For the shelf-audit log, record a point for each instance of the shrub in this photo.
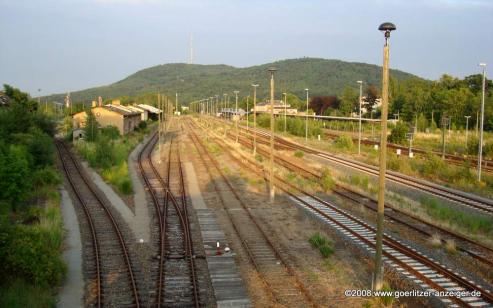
(111, 132)
(327, 182)
(344, 142)
(398, 133)
(142, 125)
(46, 176)
(298, 154)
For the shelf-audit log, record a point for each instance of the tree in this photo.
(321, 103)
(349, 101)
(370, 100)
(91, 128)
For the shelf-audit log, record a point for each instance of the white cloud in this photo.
(127, 1)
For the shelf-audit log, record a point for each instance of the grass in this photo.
(109, 157)
(20, 294)
(322, 244)
(471, 223)
(326, 181)
(299, 154)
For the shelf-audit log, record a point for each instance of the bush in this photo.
(398, 133)
(26, 254)
(111, 132)
(142, 125)
(344, 142)
(327, 182)
(326, 250)
(298, 154)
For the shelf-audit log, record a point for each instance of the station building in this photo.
(279, 108)
(123, 118)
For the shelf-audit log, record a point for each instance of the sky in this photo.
(67, 45)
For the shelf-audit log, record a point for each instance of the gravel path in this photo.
(72, 291)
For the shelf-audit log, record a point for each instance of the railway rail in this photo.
(113, 278)
(177, 279)
(282, 283)
(423, 270)
(473, 248)
(487, 165)
(480, 204)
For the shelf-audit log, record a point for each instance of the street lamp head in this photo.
(359, 81)
(306, 89)
(254, 85)
(482, 64)
(387, 27)
(236, 92)
(272, 69)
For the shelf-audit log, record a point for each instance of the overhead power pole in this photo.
(271, 160)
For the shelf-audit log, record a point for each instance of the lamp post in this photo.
(248, 98)
(235, 118)
(359, 135)
(224, 112)
(285, 109)
(254, 118)
(306, 117)
(176, 104)
(217, 104)
(386, 27)
(467, 128)
(271, 160)
(480, 150)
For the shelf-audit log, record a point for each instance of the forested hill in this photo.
(194, 81)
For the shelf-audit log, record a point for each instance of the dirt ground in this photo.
(289, 229)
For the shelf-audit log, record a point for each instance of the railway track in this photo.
(280, 280)
(473, 248)
(480, 204)
(177, 279)
(112, 281)
(424, 271)
(487, 165)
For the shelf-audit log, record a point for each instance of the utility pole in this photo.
(467, 129)
(306, 117)
(480, 150)
(378, 275)
(271, 160)
(444, 125)
(285, 109)
(254, 118)
(159, 124)
(236, 118)
(359, 135)
(176, 103)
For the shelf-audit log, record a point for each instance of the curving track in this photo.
(113, 282)
(176, 281)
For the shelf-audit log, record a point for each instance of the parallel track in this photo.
(115, 284)
(478, 203)
(371, 203)
(416, 266)
(279, 278)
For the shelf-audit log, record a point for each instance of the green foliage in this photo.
(26, 254)
(473, 223)
(299, 153)
(20, 294)
(91, 128)
(398, 133)
(317, 240)
(326, 181)
(322, 244)
(343, 142)
(142, 125)
(323, 76)
(111, 132)
(349, 101)
(14, 174)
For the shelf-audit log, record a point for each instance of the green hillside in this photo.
(195, 81)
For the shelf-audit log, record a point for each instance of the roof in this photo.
(122, 110)
(149, 108)
(276, 103)
(136, 109)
